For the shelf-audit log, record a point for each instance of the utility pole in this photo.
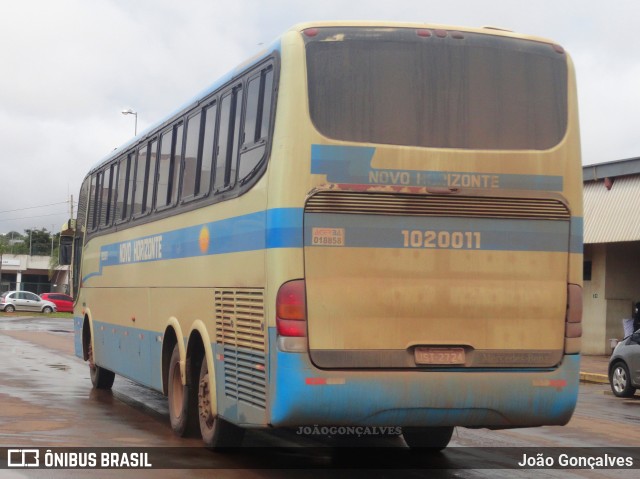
(70, 278)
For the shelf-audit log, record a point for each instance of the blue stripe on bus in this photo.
(275, 228)
(576, 244)
(283, 228)
(352, 165)
(359, 231)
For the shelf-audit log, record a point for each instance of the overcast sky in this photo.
(69, 67)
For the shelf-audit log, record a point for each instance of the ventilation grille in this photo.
(436, 205)
(240, 318)
(240, 330)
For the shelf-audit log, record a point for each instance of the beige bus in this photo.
(368, 224)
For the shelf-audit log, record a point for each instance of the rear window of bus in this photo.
(461, 90)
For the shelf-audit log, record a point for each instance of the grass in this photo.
(22, 314)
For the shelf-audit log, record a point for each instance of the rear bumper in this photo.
(304, 395)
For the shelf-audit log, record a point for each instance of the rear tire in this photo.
(47, 310)
(434, 438)
(216, 432)
(183, 405)
(9, 308)
(101, 378)
(620, 381)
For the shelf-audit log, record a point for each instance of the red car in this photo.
(63, 302)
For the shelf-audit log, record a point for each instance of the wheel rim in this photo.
(9, 309)
(177, 392)
(619, 379)
(204, 404)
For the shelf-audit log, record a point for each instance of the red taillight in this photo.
(311, 32)
(291, 309)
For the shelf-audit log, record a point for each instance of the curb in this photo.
(593, 378)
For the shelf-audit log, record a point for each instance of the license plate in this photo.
(439, 356)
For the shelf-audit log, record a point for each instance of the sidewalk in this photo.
(594, 369)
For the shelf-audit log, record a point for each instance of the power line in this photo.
(30, 217)
(35, 207)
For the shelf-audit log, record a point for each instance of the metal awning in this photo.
(613, 215)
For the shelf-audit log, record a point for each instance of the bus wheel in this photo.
(182, 403)
(435, 438)
(216, 432)
(101, 378)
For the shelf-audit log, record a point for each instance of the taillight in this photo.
(291, 309)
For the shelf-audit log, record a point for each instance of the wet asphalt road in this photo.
(46, 400)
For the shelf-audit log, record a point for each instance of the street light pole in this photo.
(129, 111)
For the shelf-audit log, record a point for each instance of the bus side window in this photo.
(107, 194)
(228, 139)
(223, 144)
(83, 202)
(165, 167)
(151, 176)
(191, 171)
(92, 203)
(123, 187)
(177, 161)
(115, 169)
(256, 124)
(168, 168)
(235, 138)
(207, 149)
(139, 188)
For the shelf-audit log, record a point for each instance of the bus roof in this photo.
(275, 46)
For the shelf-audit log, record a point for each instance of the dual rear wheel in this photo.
(190, 409)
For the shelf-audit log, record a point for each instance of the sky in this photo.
(69, 67)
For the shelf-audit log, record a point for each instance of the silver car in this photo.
(624, 366)
(25, 301)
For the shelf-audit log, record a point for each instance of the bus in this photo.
(367, 224)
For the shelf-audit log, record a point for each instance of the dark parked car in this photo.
(624, 366)
(63, 302)
(11, 301)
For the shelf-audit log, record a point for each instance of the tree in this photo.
(37, 242)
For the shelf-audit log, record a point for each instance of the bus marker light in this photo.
(311, 32)
(324, 381)
(315, 381)
(558, 384)
(441, 33)
(423, 32)
(219, 357)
